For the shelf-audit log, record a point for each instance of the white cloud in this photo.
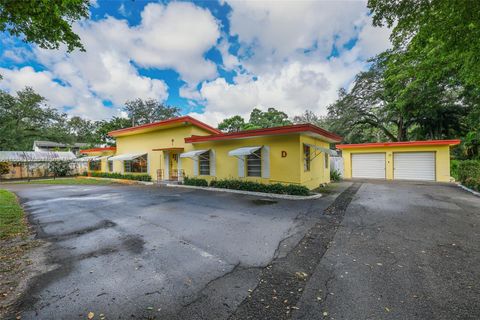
(283, 60)
(122, 10)
(177, 36)
(42, 82)
(292, 89)
(279, 30)
(286, 45)
(169, 36)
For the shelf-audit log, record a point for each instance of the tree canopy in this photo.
(258, 119)
(442, 36)
(45, 23)
(26, 117)
(148, 111)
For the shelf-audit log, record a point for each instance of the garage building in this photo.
(411, 160)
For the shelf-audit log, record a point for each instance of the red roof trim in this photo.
(98, 149)
(169, 149)
(296, 128)
(400, 144)
(166, 122)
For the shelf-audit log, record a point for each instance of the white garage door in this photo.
(368, 165)
(414, 166)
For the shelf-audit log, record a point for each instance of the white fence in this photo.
(336, 163)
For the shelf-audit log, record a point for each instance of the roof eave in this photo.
(425, 143)
(159, 124)
(285, 130)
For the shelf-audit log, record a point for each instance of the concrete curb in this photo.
(121, 181)
(250, 193)
(468, 189)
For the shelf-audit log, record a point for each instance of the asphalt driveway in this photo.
(145, 252)
(403, 251)
(378, 251)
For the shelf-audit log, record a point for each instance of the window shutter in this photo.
(195, 166)
(266, 162)
(213, 169)
(179, 173)
(241, 167)
(166, 156)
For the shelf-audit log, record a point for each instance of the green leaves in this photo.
(232, 124)
(258, 119)
(148, 111)
(443, 36)
(44, 22)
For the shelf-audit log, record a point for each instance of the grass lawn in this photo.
(11, 216)
(15, 244)
(68, 181)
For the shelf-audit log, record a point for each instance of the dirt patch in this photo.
(282, 282)
(21, 259)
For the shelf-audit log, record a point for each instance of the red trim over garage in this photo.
(98, 150)
(400, 144)
(296, 128)
(188, 119)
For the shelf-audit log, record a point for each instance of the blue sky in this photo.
(213, 59)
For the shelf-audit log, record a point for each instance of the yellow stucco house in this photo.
(171, 149)
(408, 160)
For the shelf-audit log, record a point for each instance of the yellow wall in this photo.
(442, 162)
(287, 170)
(146, 142)
(318, 174)
(104, 164)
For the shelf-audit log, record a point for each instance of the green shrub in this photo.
(472, 183)
(277, 188)
(195, 182)
(4, 168)
(468, 173)
(114, 175)
(59, 168)
(454, 168)
(468, 169)
(335, 175)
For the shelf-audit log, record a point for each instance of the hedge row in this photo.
(113, 175)
(195, 182)
(468, 173)
(277, 188)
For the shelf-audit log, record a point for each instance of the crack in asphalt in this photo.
(282, 282)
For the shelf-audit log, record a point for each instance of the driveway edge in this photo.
(250, 193)
(468, 189)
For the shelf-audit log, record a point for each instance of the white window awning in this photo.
(322, 149)
(244, 151)
(104, 157)
(126, 157)
(192, 154)
(85, 159)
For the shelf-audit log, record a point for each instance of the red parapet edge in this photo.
(98, 149)
(296, 128)
(451, 142)
(189, 119)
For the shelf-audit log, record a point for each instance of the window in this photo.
(326, 160)
(254, 164)
(306, 158)
(137, 165)
(204, 163)
(110, 165)
(95, 165)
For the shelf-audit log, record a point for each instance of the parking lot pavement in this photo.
(149, 252)
(368, 250)
(403, 251)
